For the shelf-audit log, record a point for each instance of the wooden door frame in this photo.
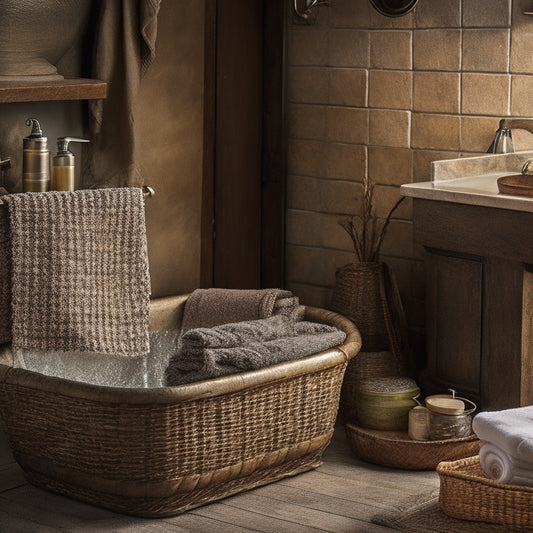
(272, 173)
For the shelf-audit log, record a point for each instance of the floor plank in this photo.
(340, 496)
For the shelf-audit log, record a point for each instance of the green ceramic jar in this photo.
(385, 403)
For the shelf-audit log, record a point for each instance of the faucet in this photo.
(503, 140)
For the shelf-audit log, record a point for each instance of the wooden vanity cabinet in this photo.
(479, 301)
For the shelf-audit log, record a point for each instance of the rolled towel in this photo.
(511, 430)
(206, 308)
(309, 338)
(500, 467)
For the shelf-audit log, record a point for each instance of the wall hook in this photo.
(304, 9)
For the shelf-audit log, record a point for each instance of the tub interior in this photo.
(143, 371)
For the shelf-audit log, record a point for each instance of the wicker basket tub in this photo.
(161, 451)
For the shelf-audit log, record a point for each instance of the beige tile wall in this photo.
(368, 94)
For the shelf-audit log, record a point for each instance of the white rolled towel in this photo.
(500, 467)
(511, 430)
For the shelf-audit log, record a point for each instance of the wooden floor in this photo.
(341, 497)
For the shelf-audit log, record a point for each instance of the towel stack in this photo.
(506, 453)
(244, 330)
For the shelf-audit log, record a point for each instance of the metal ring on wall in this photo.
(394, 8)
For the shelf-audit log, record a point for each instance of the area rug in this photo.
(421, 514)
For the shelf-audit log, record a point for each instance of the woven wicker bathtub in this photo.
(161, 451)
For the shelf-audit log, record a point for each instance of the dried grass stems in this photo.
(366, 230)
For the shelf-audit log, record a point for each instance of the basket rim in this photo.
(456, 469)
(202, 389)
(420, 443)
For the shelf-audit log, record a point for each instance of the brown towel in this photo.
(124, 48)
(206, 308)
(80, 276)
(5, 277)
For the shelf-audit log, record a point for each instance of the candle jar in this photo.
(419, 423)
(385, 403)
(448, 417)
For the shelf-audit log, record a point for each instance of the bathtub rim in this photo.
(160, 320)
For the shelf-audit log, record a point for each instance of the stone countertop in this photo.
(473, 181)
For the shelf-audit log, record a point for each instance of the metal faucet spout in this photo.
(517, 124)
(503, 140)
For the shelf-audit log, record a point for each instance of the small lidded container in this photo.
(449, 417)
(384, 403)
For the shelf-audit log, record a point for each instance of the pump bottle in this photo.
(35, 160)
(63, 164)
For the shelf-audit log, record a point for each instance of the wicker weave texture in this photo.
(116, 455)
(357, 296)
(395, 449)
(468, 494)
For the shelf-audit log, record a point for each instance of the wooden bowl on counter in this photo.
(516, 185)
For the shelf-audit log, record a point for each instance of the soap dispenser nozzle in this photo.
(63, 142)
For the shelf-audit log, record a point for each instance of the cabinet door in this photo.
(454, 320)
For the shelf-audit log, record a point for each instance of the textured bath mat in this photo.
(421, 514)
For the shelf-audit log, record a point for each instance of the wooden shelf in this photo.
(67, 89)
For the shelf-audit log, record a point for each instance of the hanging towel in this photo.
(307, 338)
(124, 48)
(206, 308)
(5, 277)
(80, 278)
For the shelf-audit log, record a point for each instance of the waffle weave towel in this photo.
(5, 277)
(80, 279)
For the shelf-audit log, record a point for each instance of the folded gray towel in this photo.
(206, 308)
(305, 338)
(196, 341)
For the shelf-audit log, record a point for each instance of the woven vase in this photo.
(358, 296)
(367, 294)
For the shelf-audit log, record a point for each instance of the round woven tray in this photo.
(395, 448)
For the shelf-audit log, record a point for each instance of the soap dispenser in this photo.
(35, 159)
(63, 164)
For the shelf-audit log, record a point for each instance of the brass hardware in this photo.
(147, 191)
(304, 9)
(393, 8)
(525, 168)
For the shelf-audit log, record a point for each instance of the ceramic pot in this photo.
(35, 34)
(385, 403)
